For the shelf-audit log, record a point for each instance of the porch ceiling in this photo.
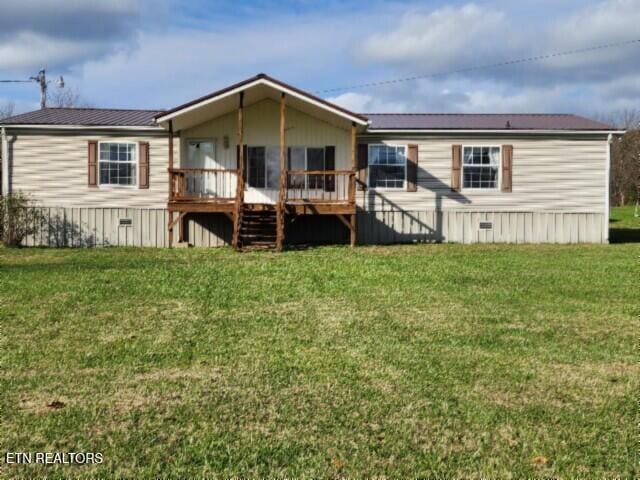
(257, 89)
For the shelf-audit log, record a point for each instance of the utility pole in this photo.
(42, 80)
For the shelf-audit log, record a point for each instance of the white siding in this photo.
(549, 174)
(53, 168)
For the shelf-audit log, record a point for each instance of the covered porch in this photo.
(262, 148)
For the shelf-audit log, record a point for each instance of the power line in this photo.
(480, 67)
(16, 81)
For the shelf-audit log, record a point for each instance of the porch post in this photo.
(237, 218)
(280, 214)
(352, 184)
(170, 181)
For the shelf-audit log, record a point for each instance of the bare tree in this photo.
(627, 119)
(65, 97)
(7, 109)
(625, 167)
(625, 156)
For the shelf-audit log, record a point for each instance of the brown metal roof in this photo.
(98, 117)
(482, 121)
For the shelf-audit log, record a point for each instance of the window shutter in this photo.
(507, 167)
(143, 164)
(456, 167)
(363, 165)
(92, 177)
(330, 164)
(412, 168)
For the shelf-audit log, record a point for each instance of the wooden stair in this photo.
(258, 227)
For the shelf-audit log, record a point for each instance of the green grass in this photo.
(624, 225)
(624, 217)
(450, 360)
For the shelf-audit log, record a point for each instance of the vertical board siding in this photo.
(100, 227)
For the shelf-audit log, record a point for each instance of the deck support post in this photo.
(170, 143)
(237, 216)
(352, 185)
(280, 210)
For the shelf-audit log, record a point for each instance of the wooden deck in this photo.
(312, 192)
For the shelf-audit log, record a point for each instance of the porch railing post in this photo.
(352, 185)
(237, 218)
(171, 186)
(280, 209)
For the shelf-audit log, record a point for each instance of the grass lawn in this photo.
(448, 360)
(625, 226)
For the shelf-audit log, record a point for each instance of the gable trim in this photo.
(261, 80)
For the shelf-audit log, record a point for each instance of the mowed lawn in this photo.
(448, 360)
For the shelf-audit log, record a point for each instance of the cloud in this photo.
(364, 103)
(452, 38)
(144, 53)
(442, 38)
(174, 66)
(63, 34)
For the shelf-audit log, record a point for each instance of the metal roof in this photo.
(482, 121)
(109, 117)
(99, 117)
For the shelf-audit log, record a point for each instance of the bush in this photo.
(19, 217)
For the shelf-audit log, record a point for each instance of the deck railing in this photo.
(203, 183)
(301, 186)
(320, 186)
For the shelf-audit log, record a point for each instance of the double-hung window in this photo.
(118, 163)
(387, 166)
(480, 167)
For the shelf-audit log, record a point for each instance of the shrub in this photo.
(19, 217)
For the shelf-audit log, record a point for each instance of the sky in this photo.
(161, 53)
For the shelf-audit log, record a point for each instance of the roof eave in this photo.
(500, 131)
(153, 128)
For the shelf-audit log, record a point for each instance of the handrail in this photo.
(186, 170)
(320, 172)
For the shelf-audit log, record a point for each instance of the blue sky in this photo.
(157, 54)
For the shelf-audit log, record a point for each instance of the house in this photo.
(262, 163)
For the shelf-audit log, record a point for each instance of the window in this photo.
(117, 163)
(387, 166)
(201, 154)
(480, 167)
(307, 158)
(263, 167)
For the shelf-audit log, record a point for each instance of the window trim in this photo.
(498, 178)
(404, 180)
(136, 162)
(213, 140)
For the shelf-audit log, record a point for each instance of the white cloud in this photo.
(439, 39)
(63, 34)
(28, 51)
(363, 103)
